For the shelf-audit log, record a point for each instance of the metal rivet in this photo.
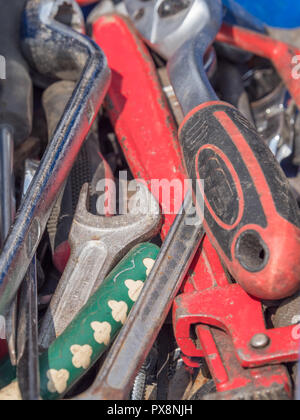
(260, 341)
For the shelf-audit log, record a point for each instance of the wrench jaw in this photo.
(118, 234)
(148, 213)
(67, 12)
(167, 31)
(48, 44)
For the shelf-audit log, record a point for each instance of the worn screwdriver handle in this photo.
(249, 212)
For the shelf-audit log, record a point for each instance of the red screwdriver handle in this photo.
(250, 214)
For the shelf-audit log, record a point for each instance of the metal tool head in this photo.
(168, 24)
(142, 221)
(47, 42)
(97, 245)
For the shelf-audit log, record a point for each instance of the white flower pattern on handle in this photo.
(81, 356)
(119, 310)
(58, 380)
(148, 263)
(102, 332)
(134, 289)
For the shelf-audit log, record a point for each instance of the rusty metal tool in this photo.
(259, 219)
(45, 42)
(131, 348)
(97, 244)
(27, 316)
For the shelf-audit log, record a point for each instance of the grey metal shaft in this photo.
(136, 339)
(187, 73)
(81, 54)
(7, 180)
(8, 208)
(28, 373)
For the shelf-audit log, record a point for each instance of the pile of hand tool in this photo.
(150, 193)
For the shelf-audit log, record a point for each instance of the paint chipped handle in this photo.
(250, 214)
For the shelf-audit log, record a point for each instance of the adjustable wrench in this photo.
(97, 244)
(45, 42)
(250, 214)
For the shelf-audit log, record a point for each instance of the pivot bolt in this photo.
(260, 341)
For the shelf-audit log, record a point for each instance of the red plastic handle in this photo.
(140, 114)
(250, 214)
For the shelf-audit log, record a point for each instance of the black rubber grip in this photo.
(250, 213)
(16, 89)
